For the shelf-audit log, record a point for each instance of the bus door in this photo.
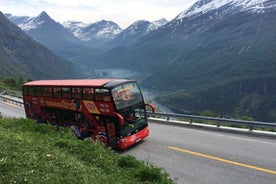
(111, 130)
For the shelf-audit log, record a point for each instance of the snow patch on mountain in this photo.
(75, 27)
(156, 24)
(35, 22)
(107, 29)
(143, 27)
(31, 24)
(24, 22)
(98, 30)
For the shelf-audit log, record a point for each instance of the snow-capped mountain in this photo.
(42, 21)
(204, 14)
(75, 27)
(102, 30)
(100, 34)
(47, 31)
(137, 30)
(142, 27)
(156, 24)
(41, 26)
(226, 6)
(107, 30)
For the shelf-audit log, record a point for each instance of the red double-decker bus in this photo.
(112, 111)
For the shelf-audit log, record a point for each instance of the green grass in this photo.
(37, 153)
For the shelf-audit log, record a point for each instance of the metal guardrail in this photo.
(192, 118)
(11, 101)
(219, 121)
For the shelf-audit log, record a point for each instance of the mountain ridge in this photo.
(203, 6)
(96, 35)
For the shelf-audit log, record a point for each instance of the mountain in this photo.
(218, 55)
(50, 33)
(102, 30)
(22, 55)
(55, 37)
(95, 34)
(109, 34)
(226, 7)
(75, 27)
(135, 31)
(77, 41)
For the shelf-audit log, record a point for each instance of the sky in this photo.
(122, 12)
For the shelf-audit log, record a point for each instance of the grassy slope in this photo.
(37, 153)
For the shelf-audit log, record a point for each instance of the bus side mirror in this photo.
(152, 107)
(120, 117)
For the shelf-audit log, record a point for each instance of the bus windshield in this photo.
(127, 95)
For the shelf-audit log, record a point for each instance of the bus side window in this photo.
(88, 93)
(66, 92)
(46, 91)
(37, 91)
(31, 91)
(98, 97)
(102, 95)
(76, 93)
(57, 92)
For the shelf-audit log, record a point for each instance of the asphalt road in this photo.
(10, 110)
(194, 156)
(200, 156)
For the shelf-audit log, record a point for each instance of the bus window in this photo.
(38, 91)
(102, 95)
(76, 93)
(88, 93)
(57, 92)
(31, 91)
(46, 91)
(66, 92)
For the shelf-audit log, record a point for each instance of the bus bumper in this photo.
(128, 141)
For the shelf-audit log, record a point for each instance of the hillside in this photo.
(21, 55)
(204, 50)
(38, 153)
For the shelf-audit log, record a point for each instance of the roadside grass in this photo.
(38, 153)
